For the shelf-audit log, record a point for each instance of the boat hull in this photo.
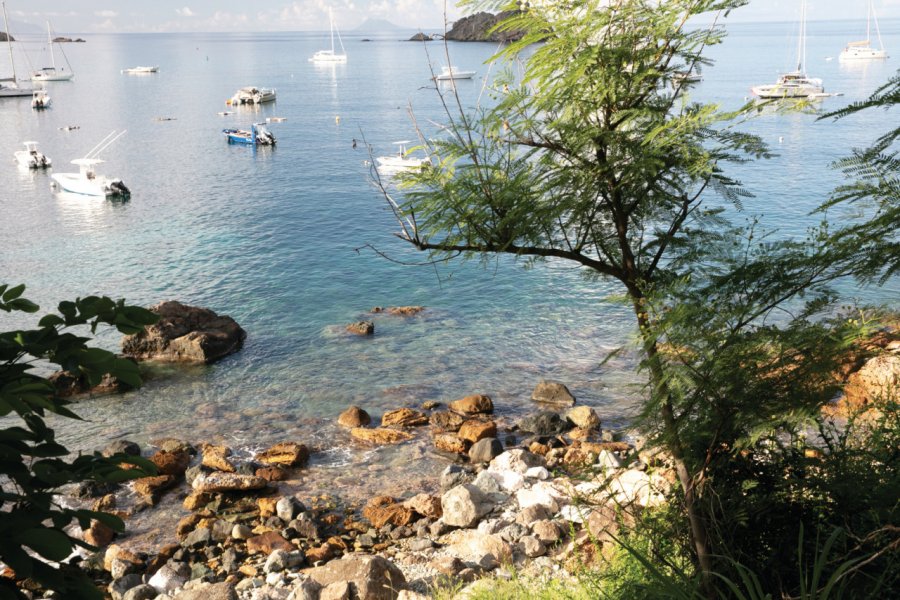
(55, 76)
(100, 187)
(28, 160)
(863, 54)
(14, 92)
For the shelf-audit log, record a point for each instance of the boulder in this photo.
(98, 534)
(185, 334)
(211, 591)
(171, 463)
(227, 482)
(286, 454)
(464, 505)
(487, 550)
(473, 405)
(552, 392)
(362, 328)
(339, 590)
(121, 447)
(485, 450)
(268, 542)
(371, 577)
(448, 442)
(403, 417)
(517, 460)
(151, 488)
(876, 381)
(399, 311)
(384, 509)
(354, 417)
(69, 384)
(170, 577)
(426, 505)
(216, 458)
(475, 429)
(272, 473)
(446, 421)
(544, 424)
(380, 435)
(583, 417)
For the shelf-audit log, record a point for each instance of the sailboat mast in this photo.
(331, 26)
(50, 43)
(8, 42)
(801, 44)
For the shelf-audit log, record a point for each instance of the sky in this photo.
(96, 16)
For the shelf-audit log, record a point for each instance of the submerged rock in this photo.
(380, 435)
(185, 334)
(552, 392)
(227, 482)
(362, 328)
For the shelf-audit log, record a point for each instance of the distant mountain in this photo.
(20, 27)
(376, 25)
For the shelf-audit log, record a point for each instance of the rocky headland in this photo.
(478, 28)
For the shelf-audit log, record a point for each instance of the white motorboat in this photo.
(53, 73)
(9, 86)
(140, 70)
(795, 84)
(31, 157)
(402, 160)
(329, 56)
(451, 72)
(863, 50)
(40, 99)
(252, 95)
(87, 182)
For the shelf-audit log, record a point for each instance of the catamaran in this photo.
(329, 56)
(863, 50)
(9, 87)
(53, 73)
(795, 84)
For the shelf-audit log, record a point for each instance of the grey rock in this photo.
(141, 592)
(513, 533)
(464, 505)
(438, 528)
(200, 571)
(365, 541)
(170, 577)
(479, 28)
(221, 530)
(455, 475)
(241, 532)
(120, 568)
(121, 447)
(485, 450)
(119, 587)
(544, 423)
(420, 544)
(197, 538)
(305, 589)
(305, 526)
(214, 591)
(339, 590)
(230, 561)
(532, 547)
(276, 562)
(287, 508)
(372, 577)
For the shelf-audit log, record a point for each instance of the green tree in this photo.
(33, 464)
(596, 155)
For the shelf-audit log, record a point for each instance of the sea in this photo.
(295, 241)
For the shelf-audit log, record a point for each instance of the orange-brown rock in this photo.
(151, 488)
(582, 434)
(272, 473)
(319, 553)
(403, 417)
(285, 454)
(474, 430)
(380, 435)
(196, 500)
(98, 534)
(187, 524)
(268, 542)
(405, 311)
(473, 405)
(579, 457)
(105, 503)
(446, 421)
(248, 570)
(598, 447)
(450, 443)
(362, 328)
(384, 509)
(425, 505)
(354, 417)
(115, 552)
(216, 458)
(171, 463)
(267, 506)
(875, 382)
(538, 448)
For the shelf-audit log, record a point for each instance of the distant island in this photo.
(374, 25)
(4, 37)
(475, 28)
(67, 39)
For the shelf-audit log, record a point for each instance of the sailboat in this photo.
(863, 50)
(53, 73)
(795, 84)
(326, 56)
(9, 87)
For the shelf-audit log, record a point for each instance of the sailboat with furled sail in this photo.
(863, 50)
(329, 56)
(53, 73)
(796, 84)
(9, 87)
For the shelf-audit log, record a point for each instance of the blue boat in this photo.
(259, 135)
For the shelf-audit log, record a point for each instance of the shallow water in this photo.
(277, 237)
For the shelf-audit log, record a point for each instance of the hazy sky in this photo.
(75, 16)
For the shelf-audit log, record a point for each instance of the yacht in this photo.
(795, 84)
(9, 87)
(53, 73)
(252, 95)
(140, 70)
(31, 157)
(451, 72)
(329, 56)
(863, 50)
(402, 160)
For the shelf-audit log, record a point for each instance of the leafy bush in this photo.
(33, 464)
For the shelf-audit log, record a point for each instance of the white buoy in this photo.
(337, 120)
(780, 139)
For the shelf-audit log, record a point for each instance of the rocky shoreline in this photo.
(550, 489)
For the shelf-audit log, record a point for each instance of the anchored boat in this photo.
(259, 135)
(31, 157)
(87, 182)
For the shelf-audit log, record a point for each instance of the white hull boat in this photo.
(31, 157)
(330, 56)
(252, 95)
(9, 87)
(448, 73)
(53, 73)
(87, 182)
(402, 160)
(796, 84)
(40, 100)
(863, 50)
(140, 70)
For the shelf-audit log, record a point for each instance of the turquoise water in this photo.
(277, 238)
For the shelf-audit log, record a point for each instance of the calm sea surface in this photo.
(276, 237)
